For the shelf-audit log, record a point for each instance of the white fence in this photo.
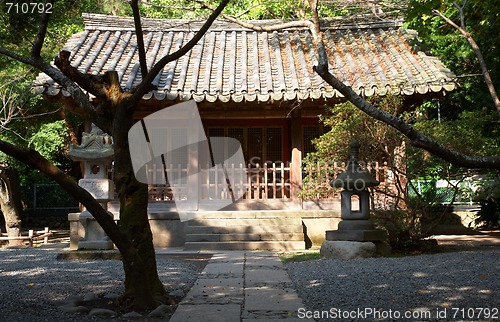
(252, 182)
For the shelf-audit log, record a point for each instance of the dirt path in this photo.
(481, 241)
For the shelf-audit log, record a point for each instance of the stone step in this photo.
(241, 214)
(246, 245)
(245, 237)
(221, 222)
(243, 229)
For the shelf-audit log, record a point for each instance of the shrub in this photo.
(488, 196)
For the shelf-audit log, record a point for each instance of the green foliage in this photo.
(242, 9)
(404, 230)
(472, 132)
(482, 19)
(300, 257)
(488, 196)
(258, 9)
(51, 141)
(408, 221)
(17, 31)
(379, 143)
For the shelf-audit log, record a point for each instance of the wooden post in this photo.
(46, 233)
(30, 239)
(296, 164)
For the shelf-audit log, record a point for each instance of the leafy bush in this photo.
(488, 197)
(403, 227)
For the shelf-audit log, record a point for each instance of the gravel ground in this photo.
(458, 286)
(33, 283)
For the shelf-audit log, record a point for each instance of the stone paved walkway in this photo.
(241, 286)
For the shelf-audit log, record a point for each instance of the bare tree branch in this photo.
(93, 84)
(140, 38)
(275, 27)
(461, 11)
(145, 85)
(9, 109)
(417, 138)
(79, 97)
(477, 51)
(42, 31)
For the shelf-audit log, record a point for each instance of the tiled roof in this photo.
(232, 63)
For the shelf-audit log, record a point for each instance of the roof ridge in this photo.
(108, 22)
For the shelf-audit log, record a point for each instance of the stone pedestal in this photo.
(95, 237)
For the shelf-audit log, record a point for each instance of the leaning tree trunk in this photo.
(9, 189)
(143, 290)
(134, 223)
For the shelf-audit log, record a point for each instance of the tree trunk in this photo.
(9, 189)
(132, 261)
(134, 223)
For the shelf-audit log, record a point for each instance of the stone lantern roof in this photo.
(354, 177)
(95, 146)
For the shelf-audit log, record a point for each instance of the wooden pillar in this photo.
(296, 164)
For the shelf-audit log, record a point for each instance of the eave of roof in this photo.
(232, 63)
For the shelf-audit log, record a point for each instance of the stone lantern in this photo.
(96, 152)
(356, 236)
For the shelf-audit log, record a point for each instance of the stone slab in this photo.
(266, 276)
(226, 257)
(347, 249)
(216, 291)
(223, 269)
(248, 245)
(263, 262)
(207, 312)
(272, 299)
(356, 235)
(263, 315)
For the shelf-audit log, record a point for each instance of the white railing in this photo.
(270, 181)
(252, 182)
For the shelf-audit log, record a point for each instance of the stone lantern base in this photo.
(86, 233)
(355, 239)
(356, 235)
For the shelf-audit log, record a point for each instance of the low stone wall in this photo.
(169, 231)
(316, 223)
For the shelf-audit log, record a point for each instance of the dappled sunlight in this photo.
(428, 283)
(314, 283)
(381, 286)
(35, 278)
